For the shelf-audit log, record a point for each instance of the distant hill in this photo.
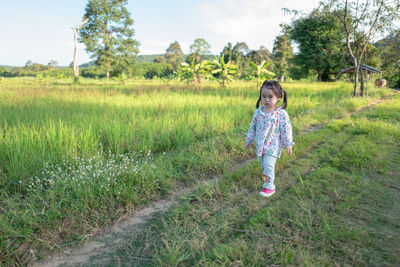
(143, 59)
(148, 58)
(387, 41)
(87, 65)
(6, 66)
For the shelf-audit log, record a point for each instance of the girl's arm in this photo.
(252, 130)
(285, 128)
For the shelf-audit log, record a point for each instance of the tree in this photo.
(76, 30)
(282, 53)
(28, 64)
(241, 49)
(224, 71)
(108, 35)
(236, 54)
(389, 53)
(227, 52)
(191, 73)
(261, 71)
(239, 57)
(199, 49)
(367, 19)
(319, 36)
(174, 55)
(52, 63)
(257, 56)
(159, 59)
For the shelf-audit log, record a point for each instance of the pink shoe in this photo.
(267, 192)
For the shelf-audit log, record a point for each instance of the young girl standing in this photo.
(272, 130)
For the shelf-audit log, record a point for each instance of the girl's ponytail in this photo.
(284, 101)
(258, 101)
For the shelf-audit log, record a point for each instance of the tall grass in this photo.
(140, 139)
(48, 124)
(336, 205)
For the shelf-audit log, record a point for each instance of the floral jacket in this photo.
(272, 131)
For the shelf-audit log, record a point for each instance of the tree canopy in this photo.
(282, 53)
(199, 49)
(362, 22)
(320, 40)
(174, 54)
(108, 35)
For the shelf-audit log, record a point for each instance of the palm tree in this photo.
(224, 71)
(261, 71)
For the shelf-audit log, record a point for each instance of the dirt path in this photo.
(134, 223)
(137, 222)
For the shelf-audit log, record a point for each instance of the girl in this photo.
(272, 130)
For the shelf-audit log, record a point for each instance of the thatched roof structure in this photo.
(366, 68)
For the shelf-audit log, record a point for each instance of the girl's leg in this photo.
(268, 167)
(260, 159)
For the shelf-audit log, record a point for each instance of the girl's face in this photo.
(268, 98)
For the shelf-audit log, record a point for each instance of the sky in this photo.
(41, 30)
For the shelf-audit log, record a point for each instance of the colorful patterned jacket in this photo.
(272, 131)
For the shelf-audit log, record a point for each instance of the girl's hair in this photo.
(276, 88)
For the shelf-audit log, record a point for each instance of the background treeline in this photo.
(320, 54)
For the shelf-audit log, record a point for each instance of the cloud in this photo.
(255, 22)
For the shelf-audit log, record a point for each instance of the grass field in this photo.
(337, 205)
(74, 158)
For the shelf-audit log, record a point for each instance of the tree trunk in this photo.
(355, 82)
(75, 66)
(362, 83)
(319, 77)
(198, 78)
(108, 69)
(76, 33)
(398, 65)
(282, 78)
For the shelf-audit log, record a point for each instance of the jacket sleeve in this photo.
(252, 129)
(285, 128)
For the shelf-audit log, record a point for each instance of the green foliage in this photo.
(199, 49)
(225, 72)
(321, 48)
(377, 17)
(389, 51)
(108, 35)
(152, 70)
(87, 169)
(328, 208)
(174, 55)
(261, 71)
(159, 59)
(257, 56)
(238, 55)
(191, 73)
(282, 53)
(92, 72)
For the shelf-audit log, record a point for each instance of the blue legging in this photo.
(268, 166)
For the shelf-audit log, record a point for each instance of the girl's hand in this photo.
(289, 150)
(246, 146)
